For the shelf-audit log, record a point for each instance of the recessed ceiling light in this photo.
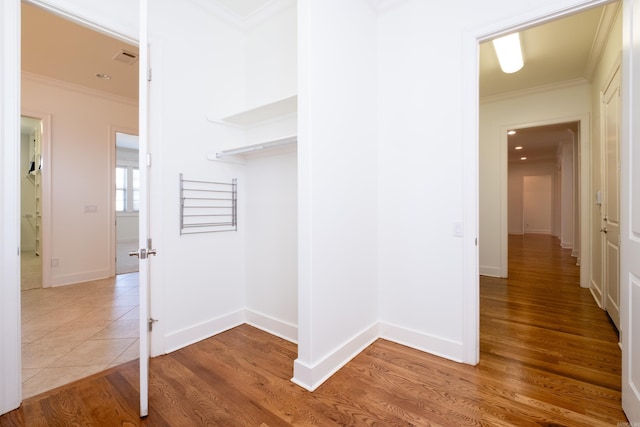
(519, 147)
(523, 158)
(511, 132)
(103, 76)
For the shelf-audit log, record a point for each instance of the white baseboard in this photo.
(311, 377)
(566, 245)
(448, 349)
(596, 292)
(537, 231)
(490, 271)
(87, 276)
(271, 325)
(182, 338)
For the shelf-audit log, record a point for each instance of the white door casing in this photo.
(10, 372)
(611, 196)
(144, 224)
(630, 212)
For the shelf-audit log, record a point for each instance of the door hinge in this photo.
(476, 241)
(149, 75)
(151, 322)
(149, 160)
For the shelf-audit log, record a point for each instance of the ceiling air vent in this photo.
(127, 57)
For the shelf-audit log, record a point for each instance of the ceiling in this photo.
(62, 50)
(539, 143)
(557, 52)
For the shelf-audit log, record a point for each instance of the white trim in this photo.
(37, 78)
(10, 357)
(448, 349)
(85, 276)
(85, 21)
(311, 377)
(491, 271)
(201, 331)
(271, 325)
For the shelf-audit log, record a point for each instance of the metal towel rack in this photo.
(208, 206)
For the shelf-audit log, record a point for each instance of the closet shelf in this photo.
(280, 142)
(260, 113)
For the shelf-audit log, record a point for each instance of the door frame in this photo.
(113, 161)
(45, 118)
(615, 71)
(582, 173)
(10, 112)
(470, 147)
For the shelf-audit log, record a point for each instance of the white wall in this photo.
(567, 209)
(198, 280)
(338, 178)
(81, 171)
(272, 242)
(554, 106)
(517, 172)
(537, 204)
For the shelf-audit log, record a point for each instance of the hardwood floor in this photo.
(549, 357)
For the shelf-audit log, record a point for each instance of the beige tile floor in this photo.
(70, 332)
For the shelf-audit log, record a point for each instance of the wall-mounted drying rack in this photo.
(253, 148)
(208, 206)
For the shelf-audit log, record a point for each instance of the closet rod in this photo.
(257, 147)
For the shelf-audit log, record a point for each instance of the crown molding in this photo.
(533, 90)
(37, 78)
(244, 23)
(603, 33)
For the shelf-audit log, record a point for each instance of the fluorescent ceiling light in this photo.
(509, 53)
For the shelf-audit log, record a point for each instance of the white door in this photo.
(630, 209)
(611, 197)
(144, 238)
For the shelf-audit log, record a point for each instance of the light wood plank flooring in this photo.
(549, 357)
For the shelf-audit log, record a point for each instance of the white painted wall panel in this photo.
(272, 237)
(198, 65)
(338, 178)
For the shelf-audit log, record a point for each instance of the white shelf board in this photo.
(276, 143)
(261, 113)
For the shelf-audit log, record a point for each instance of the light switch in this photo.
(457, 229)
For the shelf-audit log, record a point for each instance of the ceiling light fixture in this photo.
(511, 132)
(103, 76)
(519, 147)
(509, 52)
(523, 158)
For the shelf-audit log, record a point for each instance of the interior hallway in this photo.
(70, 332)
(549, 356)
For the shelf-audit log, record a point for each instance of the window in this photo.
(127, 189)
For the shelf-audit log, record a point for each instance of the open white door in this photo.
(630, 213)
(144, 238)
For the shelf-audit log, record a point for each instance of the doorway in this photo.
(31, 136)
(127, 202)
(87, 320)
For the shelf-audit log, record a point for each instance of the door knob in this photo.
(603, 230)
(134, 253)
